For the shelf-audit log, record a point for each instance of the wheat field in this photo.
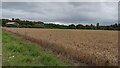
(93, 47)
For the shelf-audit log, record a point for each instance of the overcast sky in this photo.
(63, 12)
(60, 0)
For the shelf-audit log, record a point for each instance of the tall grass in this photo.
(19, 52)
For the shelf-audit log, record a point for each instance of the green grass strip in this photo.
(20, 52)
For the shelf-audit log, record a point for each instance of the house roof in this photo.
(11, 23)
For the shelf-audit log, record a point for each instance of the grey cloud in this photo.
(64, 12)
(60, 0)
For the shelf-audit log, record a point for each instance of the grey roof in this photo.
(11, 23)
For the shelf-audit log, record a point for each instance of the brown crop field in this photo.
(94, 47)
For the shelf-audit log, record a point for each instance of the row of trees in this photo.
(40, 24)
(93, 27)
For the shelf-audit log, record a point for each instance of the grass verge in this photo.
(20, 52)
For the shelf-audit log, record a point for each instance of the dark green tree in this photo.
(79, 26)
(4, 21)
(12, 19)
(97, 26)
(72, 26)
(87, 27)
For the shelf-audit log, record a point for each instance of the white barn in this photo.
(11, 24)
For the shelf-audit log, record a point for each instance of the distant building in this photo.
(12, 24)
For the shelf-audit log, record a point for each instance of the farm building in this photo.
(12, 24)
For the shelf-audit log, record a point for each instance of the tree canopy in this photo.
(40, 24)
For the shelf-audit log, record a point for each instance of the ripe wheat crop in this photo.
(94, 47)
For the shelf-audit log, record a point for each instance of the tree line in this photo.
(40, 24)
